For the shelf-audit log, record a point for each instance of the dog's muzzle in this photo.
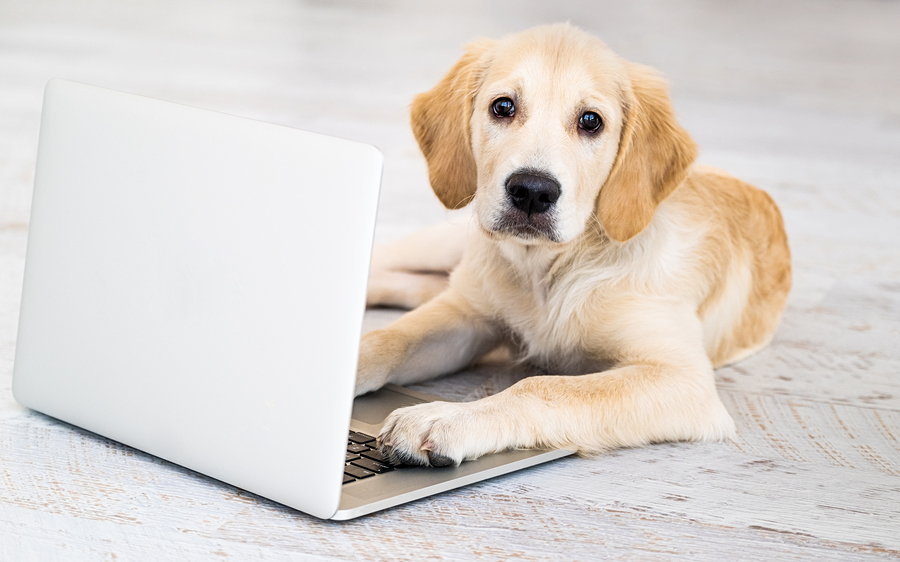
(531, 196)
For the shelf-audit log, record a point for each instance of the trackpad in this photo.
(372, 408)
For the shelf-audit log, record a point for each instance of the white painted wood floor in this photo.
(800, 98)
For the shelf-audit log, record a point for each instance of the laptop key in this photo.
(375, 467)
(354, 448)
(351, 457)
(357, 472)
(357, 437)
(376, 456)
(348, 478)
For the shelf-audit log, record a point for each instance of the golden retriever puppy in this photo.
(596, 248)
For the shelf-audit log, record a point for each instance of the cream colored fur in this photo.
(653, 270)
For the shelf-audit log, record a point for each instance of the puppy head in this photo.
(548, 130)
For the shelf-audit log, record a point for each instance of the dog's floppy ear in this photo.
(654, 156)
(440, 123)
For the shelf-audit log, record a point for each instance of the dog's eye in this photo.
(590, 122)
(503, 107)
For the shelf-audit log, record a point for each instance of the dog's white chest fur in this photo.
(533, 299)
(563, 305)
(531, 265)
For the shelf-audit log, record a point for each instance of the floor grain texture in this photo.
(800, 98)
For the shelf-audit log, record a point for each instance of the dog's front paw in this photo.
(439, 434)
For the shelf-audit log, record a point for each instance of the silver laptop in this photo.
(195, 286)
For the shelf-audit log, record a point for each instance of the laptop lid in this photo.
(195, 287)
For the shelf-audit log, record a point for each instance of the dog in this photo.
(597, 247)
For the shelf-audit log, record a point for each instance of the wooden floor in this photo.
(801, 98)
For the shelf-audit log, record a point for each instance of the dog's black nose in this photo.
(532, 193)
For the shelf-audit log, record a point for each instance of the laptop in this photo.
(195, 286)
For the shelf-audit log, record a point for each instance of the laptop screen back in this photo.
(195, 286)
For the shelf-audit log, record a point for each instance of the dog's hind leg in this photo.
(413, 270)
(402, 289)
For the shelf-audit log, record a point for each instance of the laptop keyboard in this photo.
(364, 460)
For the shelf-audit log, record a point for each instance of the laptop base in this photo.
(411, 483)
